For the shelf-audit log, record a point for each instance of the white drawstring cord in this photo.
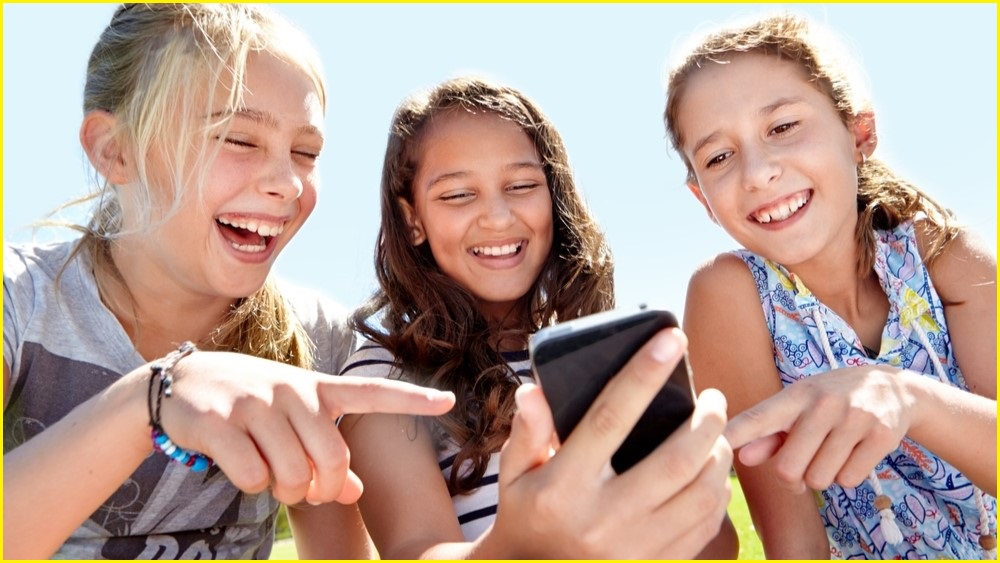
(890, 530)
(986, 538)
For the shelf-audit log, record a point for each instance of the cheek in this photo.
(308, 201)
(546, 227)
(444, 235)
(707, 195)
(539, 215)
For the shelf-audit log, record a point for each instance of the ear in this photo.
(865, 138)
(97, 136)
(696, 191)
(417, 234)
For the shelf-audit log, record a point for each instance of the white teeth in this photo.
(504, 250)
(781, 211)
(249, 247)
(255, 226)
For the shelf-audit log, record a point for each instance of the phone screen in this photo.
(573, 361)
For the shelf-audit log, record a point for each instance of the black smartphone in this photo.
(573, 361)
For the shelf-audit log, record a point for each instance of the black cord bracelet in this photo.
(162, 378)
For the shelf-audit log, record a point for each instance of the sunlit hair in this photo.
(884, 198)
(173, 75)
(430, 323)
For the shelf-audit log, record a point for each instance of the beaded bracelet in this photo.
(161, 371)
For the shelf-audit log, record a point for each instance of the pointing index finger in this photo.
(347, 394)
(775, 414)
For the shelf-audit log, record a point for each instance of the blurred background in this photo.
(598, 70)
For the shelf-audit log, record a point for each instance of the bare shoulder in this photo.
(723, 283)
(730, 347)
(965, 267)
(965, 278)
(721, 270)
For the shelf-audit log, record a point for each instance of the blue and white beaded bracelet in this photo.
(161, 442)
(194, 460)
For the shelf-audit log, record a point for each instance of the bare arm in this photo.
(965, 276)
(53, 482)
(731, 350)
(947, 410)
(726, 544)
(330, 531)
(670, 505)
(264, 423)
(406, 504)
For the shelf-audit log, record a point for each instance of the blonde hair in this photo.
(159, 69)
(884, 198)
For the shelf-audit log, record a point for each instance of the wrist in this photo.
(918, 390)
(160, 389)
(126, 400)
(490, 545)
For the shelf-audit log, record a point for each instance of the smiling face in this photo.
(255, 193)
(482, 202)
(773, 161)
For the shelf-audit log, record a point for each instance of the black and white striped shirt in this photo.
(477, 510)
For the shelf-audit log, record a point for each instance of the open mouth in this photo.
(248, 235)
(498, 251)
(783, 209)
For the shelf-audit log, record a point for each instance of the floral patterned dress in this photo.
(937, 509)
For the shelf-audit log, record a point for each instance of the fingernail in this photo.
(664, 347)
(436, 394)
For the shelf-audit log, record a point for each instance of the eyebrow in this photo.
(777, 104)
(463, 173)
(266, 119)
(764, 111)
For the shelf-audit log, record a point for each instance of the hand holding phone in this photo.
(573, 361)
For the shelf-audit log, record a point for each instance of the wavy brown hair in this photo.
(433, 325)
(884, 198)
(151, 69)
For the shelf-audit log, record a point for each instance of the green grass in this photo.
(284, 549)
(750, 548)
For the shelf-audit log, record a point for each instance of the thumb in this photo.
(530, 442)
(352, 489)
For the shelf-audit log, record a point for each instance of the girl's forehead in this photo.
(455, 119)
(741, 79)
(744, 86)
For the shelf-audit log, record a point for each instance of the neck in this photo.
(508, 327)
(858, 299)
(157, 314)
(831, 275)
(848, 295)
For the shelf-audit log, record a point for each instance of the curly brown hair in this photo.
(430, 323)
(884, 198)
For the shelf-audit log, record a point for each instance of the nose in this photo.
(280, 179)
(760, 168)
(496, 213)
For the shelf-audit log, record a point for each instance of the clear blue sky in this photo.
(596, 69)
